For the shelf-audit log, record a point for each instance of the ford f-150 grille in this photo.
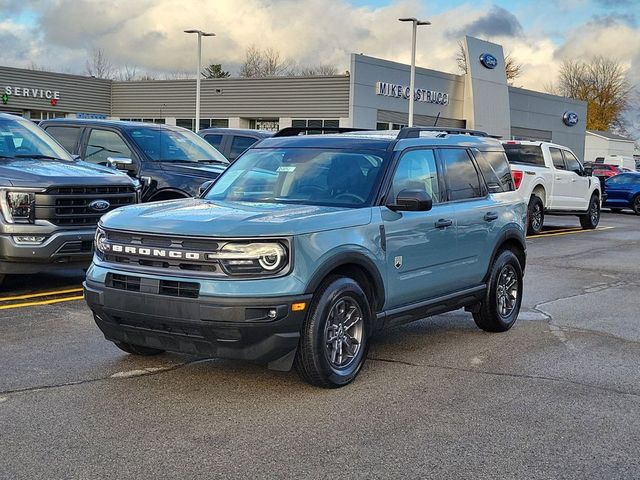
(81, 205)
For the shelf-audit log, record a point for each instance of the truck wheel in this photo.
(535, 215)
(138, 349)
(592, 218)
(636, 205)
(499, 309)
(335, 335)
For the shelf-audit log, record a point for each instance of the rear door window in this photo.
(239, 144)
(495, 169)
(214, 140)
(103, 144)
(463, 181)
(556, 157)
(66, 136)
(527, 154)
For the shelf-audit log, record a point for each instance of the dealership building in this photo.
(372, 94)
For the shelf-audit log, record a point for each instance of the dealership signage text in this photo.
(420, 94)
(32, 92)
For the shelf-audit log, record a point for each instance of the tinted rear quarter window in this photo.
(495, 169)
(66, 136)
(527, 154)
(462, 177)
(214, 140)
(239, 145)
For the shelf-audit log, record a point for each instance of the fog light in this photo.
(29, 239)
(272, 313)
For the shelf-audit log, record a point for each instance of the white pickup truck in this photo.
(552, 179)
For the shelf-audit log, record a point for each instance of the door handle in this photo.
(491, 216)
(558, 178)
(444, 223)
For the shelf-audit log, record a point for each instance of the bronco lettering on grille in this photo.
(153, 252)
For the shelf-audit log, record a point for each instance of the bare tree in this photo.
(317, 71)
(99, 65)
(602, 83)
(127, 74)
(264, 63)
(177, 75)
(512, 68)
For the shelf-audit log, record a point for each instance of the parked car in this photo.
(623, 191)
(307, 245)
(231, 142)
(620, 161)
(170, 162)
(605, 170)
(553, 181)
(50, 202)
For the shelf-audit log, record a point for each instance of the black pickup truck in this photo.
(170, 162)
(50, 203)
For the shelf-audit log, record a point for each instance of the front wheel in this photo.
(535, 215)
(500, 307)
(592, 218)
(636, 205)
(335, 335)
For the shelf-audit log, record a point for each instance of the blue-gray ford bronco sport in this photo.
(308, 245)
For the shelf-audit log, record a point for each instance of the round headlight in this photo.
(271, 262)
(100, 240)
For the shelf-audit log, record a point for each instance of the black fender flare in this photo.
(512, 234)
(347, 258)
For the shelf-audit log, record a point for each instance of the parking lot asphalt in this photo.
(558, 396)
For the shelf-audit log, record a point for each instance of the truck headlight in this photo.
(18, 207)
(252, 258)
(100, 240)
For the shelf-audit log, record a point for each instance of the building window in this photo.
(220, 123)
(382, 126)
(185, 123)
(315, 123)
(204, 123)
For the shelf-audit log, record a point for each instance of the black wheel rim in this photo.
(595, 212)
(636, 205)
(536, 218)
(507, 291)
(343, 333)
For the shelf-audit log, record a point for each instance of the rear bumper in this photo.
(234, 328)
(63, 249)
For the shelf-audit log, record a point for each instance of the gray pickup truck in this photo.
(50, 203)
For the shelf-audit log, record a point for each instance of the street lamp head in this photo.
(424, 23)
(192, 31)
(408, 19)
(200, 32)
(208, 34)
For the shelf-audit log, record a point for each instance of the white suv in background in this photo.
(552, 180)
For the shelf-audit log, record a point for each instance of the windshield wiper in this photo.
(38, 155)
(213, 161)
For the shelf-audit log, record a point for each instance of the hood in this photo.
(26, 172)
(197, 217)
(206, 171)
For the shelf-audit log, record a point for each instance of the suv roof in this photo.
(537, 143)
(385, 139)
(105, 123)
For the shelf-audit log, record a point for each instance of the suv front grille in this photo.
(69, 206)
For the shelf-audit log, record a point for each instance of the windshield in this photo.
(168, 144)
(22, 138)
(308, 176)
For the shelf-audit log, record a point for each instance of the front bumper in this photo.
(62, 249)
(223, 327)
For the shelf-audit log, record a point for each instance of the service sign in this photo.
(17, 91)
(419, 95)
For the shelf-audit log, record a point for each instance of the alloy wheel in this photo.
(536, 218)
(507, 291)
(343, 332)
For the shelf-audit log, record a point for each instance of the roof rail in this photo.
(414, 132)
(295, 131)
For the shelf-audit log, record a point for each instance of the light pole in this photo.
(199, 71)
(412, 85)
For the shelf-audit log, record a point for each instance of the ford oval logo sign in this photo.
(488, 61)
(99, 206)
(570, 119)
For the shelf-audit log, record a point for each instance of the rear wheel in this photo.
(137, 349)
(535, 215)
(636, 205)
(335, 335)
(499, 309)
(592, 218)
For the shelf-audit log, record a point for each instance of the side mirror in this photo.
(412, 201)
(121, 163)
(204, 188)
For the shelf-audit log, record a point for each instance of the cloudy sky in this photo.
(147, 34)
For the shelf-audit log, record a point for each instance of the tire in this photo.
(592, 218)
(495, 312)
(535, 215)
(635, 204)
(138, 349)
(320, 362)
